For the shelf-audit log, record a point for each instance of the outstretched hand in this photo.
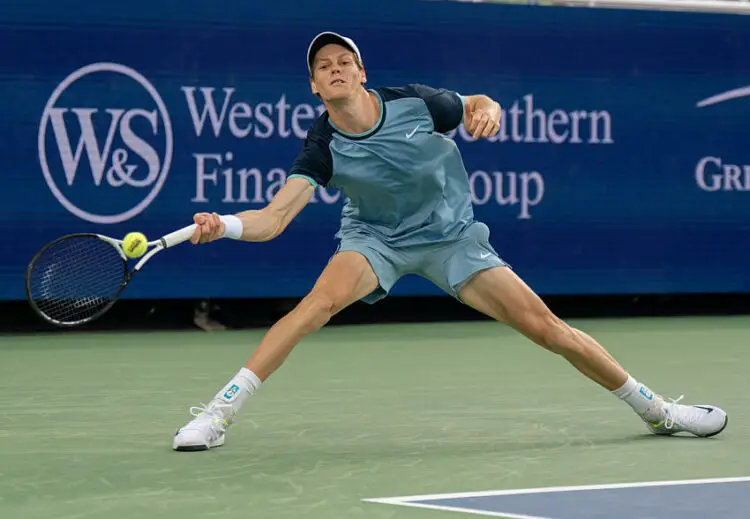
(209, 228)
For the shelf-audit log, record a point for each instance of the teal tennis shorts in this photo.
(448, 264)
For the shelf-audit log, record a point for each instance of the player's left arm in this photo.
(481, 116)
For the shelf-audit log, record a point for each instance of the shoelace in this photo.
(213, 412)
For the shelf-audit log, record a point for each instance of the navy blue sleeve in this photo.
(446, 106)
(314, 161)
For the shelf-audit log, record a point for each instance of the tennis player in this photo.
(409, 210)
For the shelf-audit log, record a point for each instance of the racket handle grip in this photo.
(178, 236)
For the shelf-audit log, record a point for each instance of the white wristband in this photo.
(232, 226)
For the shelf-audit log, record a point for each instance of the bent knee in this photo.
(318, 307)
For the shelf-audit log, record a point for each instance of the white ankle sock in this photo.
(639, 397)
(242, 385)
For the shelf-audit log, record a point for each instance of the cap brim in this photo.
(326, 38)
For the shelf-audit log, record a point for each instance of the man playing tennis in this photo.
(409, 210)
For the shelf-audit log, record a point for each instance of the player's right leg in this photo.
(347, 278)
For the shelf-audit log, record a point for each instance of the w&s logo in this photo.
(105, 143)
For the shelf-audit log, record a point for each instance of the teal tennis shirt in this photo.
(403, 181)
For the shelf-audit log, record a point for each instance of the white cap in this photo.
(325, 38)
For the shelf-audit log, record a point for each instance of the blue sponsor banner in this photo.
(621, 165)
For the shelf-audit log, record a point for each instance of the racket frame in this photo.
(156, 246)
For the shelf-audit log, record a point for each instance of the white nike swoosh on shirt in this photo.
(411, 133)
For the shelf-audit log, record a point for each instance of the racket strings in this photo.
(76, 278)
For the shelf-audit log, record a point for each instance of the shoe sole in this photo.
(190, 448)
(200, 447)
(726, 422)
(711, 435)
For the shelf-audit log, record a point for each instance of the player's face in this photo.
(336, 73)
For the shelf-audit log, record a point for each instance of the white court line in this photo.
(411, 500)
(390, 501)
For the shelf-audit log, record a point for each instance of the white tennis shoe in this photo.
(700, 420)
(207, 430)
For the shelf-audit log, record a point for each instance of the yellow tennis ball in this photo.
(134, 244)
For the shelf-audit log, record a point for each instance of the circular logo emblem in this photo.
(105, 143)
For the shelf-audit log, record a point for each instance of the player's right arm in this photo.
(262, 224)
(312, 167)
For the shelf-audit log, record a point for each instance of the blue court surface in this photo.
(727, 498)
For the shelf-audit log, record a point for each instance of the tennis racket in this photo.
(77, 278)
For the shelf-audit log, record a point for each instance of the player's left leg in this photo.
(472, 271)
(501, 294)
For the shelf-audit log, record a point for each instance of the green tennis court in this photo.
(357, 412)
